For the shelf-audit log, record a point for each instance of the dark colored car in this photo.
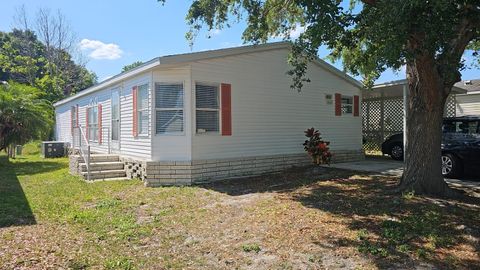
(460, 145)
(393, 146)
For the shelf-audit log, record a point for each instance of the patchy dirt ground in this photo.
(301, 219)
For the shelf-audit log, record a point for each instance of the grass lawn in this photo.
(301, 219)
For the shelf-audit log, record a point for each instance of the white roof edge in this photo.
(210, 54)
(391, 83)
(204, 55)
(476, 92)
(338, 72)
(115, 79)
(191, 57)
(455, 89)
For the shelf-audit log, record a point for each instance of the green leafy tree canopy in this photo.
(132, 66)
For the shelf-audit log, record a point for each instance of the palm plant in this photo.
(24, 115)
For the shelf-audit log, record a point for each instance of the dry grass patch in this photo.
(300, 219)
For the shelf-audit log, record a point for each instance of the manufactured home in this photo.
(469, 102)
(211, 115)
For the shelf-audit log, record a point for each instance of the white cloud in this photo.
(100, 50)
(296, 32)
(214, 32)
(293, 33)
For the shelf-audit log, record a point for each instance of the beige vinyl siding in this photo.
(169, 147)
(63, 124)
(129, 146)
(268, 117)
(468, 104)
(63, 118)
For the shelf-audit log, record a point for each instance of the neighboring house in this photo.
(383, 111)
(468, 103)
(211, 115)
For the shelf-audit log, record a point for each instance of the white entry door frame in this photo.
(115, 122)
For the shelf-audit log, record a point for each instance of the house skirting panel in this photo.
(74, 164)
(160, 173)
(163, 173)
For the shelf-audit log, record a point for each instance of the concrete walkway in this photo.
(388, 166)
(373, 164)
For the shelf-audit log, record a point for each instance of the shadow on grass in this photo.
(393, 230)
(399, 231)
(14, 207)
(36, 167)
(277, 182)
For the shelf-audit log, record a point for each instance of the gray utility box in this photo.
(54, 149)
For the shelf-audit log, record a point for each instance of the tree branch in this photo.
(370, 2)
(466, 31)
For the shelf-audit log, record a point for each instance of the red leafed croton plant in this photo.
(317, 148)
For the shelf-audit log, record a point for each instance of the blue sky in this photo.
(113, 34)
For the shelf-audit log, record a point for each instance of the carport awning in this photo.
(396, 89)
(384, 111)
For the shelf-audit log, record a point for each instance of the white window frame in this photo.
(115, 90)
(218, 85)
(143, 110)
(90, 124)
(345, 106)
(74, 123)
(182, 133)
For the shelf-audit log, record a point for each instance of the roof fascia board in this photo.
(337, 72)
(184, 58)
(206, 55)
(114, 80)
(455, 89)
(476, 92)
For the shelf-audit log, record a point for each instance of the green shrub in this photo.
(31, 148)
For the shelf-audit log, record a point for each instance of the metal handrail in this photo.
(83, 147)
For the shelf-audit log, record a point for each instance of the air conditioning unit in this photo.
(54, 149)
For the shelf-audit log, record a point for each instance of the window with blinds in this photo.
(207, 108)
(92, 123)
(347, 105)
(142, 109)
(169, 108)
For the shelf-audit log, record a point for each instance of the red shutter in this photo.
(100, 123)
(86, 124)
(78, 119)
(338, 104)
(356, 104)
(134, 125)
(226, 109)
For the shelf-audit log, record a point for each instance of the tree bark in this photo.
(426, 101)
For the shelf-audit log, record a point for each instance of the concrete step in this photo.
(111, 179)
(102, 158)
(105, 174)
(102, 166)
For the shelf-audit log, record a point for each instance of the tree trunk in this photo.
(426, 101)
